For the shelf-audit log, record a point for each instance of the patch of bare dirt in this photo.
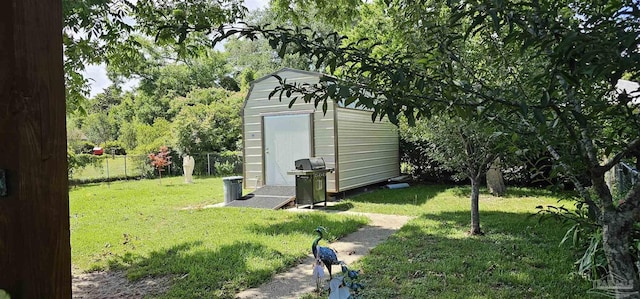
(114, 284)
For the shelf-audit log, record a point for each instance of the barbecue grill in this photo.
(311, 181)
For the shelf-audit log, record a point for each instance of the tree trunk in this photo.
(495, 181)
(616, 235)
(623, 274)
(475, 212)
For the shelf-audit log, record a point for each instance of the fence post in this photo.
(106, 159)
(208, 164)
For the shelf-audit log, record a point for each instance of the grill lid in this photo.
(310, 164)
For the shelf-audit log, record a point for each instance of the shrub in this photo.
(225, 168)
(86, 148)
(114, 147)
(416, 161)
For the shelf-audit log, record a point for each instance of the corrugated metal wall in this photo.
(367, 152)
(258, 104)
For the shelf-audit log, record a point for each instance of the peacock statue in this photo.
(325, 254)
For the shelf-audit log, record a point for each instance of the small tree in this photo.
(161, 160)
(465, 146)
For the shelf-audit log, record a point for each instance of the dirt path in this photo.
(299, 280)
(114, 284)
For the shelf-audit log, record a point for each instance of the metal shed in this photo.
(274, 136)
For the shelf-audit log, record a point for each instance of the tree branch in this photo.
(634, 145)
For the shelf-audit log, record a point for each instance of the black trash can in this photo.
(232, 188)
(311, 181)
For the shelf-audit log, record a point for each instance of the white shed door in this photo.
(287, 138)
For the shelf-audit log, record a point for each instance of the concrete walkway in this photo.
(297, 281)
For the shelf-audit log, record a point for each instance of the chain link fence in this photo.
(622, 178)
(121, 167)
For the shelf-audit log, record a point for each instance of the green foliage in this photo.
(463, 146)
(128, 136)
(148, 108)
(99, 128)
(258, 57)
(204, 96)
(246, 76)
(585, 236)
(108, 31)
(75, 137)
(103, 102)
(124, 111)
(150, 138)
(228, 163)
(229, 84)
(306, 11)
(211, 127)
(92, 33)
(114, 148)
(415, 151)
(172, 79)
(193, 130)
(225, 169)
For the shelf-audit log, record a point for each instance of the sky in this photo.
(97, 74)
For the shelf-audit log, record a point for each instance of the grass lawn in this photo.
(143, 228)
(433, 257)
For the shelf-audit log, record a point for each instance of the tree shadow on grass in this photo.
(341, 206)
(465, 191)
(512, 224)
(415, 195)
(203, 273)
(517, 258)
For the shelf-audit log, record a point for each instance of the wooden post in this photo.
(35, 259)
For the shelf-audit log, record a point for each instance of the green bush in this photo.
(225, 169)
(86, 148)
(114, 148)
(414, 156)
